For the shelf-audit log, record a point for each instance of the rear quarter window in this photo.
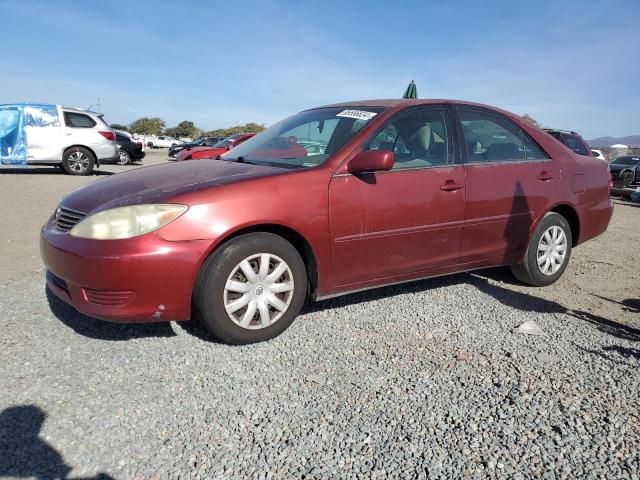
(78, 120)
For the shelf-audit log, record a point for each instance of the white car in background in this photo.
(45, 134)
(598, 154)
(162, 141)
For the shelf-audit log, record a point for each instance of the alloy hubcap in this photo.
(258, 291)
(78, 162)
(552, 250)
(124, 157)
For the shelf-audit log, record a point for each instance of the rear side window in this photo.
(78, 120)
(492, 138)
(576, 144)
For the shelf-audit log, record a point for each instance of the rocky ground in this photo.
(424, 380)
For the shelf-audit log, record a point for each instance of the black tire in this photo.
(209, 292)
(78, 161)
(124, 158)
(627, 178)
(527, 271)
(150, 144)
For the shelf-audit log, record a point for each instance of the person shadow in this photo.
(24, 454)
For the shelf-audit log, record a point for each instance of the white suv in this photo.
(43, 134)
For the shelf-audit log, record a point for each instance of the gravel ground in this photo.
(424, 380)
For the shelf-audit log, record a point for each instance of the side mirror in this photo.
(372, 161)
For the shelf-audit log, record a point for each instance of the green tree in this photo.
(250, 127)
(147, 126)
(119, 126)
(531, 120)
(185, 128)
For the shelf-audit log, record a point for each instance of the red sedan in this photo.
(223, 146)
(329, 201)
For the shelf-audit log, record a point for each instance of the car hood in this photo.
(159, 183)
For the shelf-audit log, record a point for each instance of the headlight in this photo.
(127, 222)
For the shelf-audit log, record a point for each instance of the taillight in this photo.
(108, 135)
(610, 178)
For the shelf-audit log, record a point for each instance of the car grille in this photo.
(67, 218)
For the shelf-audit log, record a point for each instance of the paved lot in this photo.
(428, 379)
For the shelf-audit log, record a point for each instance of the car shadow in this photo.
(102, 330)
(44, 171)
(24, 453)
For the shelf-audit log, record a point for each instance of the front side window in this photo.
(304, 140)
(417, 139)
(78, 120)
(491, 138)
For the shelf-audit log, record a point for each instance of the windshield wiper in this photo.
(239, 159)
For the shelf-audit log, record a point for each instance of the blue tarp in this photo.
(17, 120)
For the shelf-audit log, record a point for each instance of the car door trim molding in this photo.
(399, 231)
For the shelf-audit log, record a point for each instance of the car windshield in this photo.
(626, 160)
(306, 139)
(225, 142)
(200, 141)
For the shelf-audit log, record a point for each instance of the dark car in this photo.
(626, 170)
(400, 190)
(201, 142)
(572, 140)
(129, 150)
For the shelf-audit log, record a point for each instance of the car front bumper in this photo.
(142, 279)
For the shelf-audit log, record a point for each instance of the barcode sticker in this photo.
(357, 114)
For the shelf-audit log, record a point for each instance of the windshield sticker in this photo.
(357, 114)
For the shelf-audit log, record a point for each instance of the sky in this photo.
(571, 64)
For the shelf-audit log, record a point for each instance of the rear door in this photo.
(408, 219)
(510, 181)
(79, 129)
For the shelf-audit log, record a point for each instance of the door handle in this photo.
(545, 177)
(450, 186)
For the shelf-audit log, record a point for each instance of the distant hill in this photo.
(608, 141)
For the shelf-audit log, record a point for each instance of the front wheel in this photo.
(548, 252)
(627, 179)
(78, 161)
(251, 289)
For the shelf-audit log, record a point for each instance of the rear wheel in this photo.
(124, 158)
(252, 289)
(548, 252)
(78, 161)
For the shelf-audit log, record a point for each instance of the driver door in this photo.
(404, 221)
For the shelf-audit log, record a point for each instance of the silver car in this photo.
(44, 134)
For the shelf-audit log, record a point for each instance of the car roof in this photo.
(405, 102)
(408, 102)
(558, 130)
(80, 110)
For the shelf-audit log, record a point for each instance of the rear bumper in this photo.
(143, 279)
(594, 219)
